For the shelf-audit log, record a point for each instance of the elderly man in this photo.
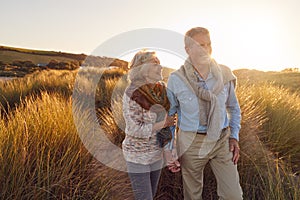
(202, 93)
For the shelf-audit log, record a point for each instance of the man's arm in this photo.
(173, 108)
(170, 151)
(234, 112)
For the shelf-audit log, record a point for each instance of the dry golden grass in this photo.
(42, 156)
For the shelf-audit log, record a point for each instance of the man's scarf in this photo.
(209, 108)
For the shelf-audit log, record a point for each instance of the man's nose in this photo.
(207, 49)
(204, 49)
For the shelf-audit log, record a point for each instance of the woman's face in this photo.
(154, 70)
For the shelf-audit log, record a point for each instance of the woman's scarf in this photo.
(150, 94)
(153, 96)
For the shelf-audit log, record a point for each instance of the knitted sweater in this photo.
(140, 145)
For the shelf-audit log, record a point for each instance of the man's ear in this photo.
(187, 49)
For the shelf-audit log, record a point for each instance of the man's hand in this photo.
(235, 149)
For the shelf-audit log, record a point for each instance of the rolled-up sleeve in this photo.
(234, 112)
(171, 96)
(173, 109)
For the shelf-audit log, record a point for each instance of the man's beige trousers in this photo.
(196, 151)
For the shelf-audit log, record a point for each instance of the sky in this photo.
(254, 34)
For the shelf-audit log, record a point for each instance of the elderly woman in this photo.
(145, 108)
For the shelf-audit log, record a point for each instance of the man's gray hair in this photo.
(192, 32)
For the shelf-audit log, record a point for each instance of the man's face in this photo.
(200, 48)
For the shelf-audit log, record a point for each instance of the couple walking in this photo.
(200, 98)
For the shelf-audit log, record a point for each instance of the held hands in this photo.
(171, 159)
(170, 120)
(170, 156)
(235, 149)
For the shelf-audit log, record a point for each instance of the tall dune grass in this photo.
(281, 124)
(54, 81)
(264, 175)
(42, 156)
(14, 91)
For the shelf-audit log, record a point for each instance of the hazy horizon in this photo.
(253, 34)
(164, 57)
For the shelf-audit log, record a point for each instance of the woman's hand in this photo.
(170, 120)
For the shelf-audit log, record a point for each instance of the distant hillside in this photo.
(11, 54)
(290, 80)
(19, 61)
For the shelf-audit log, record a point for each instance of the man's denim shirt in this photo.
(184, 102)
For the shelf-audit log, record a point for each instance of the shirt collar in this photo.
(210, 75)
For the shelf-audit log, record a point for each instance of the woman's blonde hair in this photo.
(137, 69)
(141, 57)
